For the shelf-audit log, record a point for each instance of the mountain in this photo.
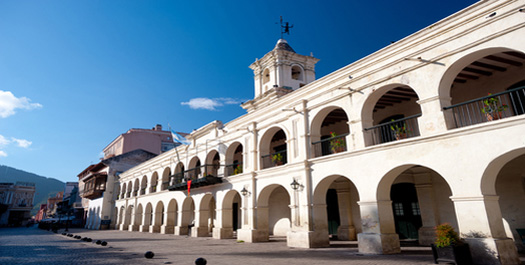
(45, 187)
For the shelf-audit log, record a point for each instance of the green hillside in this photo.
(45, 187)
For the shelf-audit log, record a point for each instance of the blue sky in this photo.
(76, 74)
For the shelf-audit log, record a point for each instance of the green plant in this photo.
(237, 170)
(277, 158)
(492, 105)
(446, 236)
(336, 144)
(399, 128)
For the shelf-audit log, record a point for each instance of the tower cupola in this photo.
(282, 68)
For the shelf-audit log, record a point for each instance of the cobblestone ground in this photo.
(35, 246)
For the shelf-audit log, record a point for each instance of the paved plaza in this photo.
(36, 246)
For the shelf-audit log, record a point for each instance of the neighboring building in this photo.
(41, 213)
(16, 202)
(380, 150)
(52, 203)
(99, 189)
(154, 141)
(71, 205)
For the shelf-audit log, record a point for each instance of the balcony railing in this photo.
(199, 176)
(489, 108)
(153, 188)
(233, 169)
(274, 159)
(330, 145)
(143, 191)
(176, 178)
(395, 130)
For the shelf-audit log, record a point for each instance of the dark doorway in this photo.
(405, 206)
(332, 208)
(235, 216)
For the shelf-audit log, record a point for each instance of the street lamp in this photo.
(295, 185)
(244, 191)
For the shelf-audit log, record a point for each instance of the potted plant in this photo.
(449, 247)
(337, 145)
(237, 170)
(277, 159)
(400, 130)
(492, 108)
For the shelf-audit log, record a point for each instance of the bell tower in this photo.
(282, 68)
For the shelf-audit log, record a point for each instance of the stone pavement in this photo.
(35, 246)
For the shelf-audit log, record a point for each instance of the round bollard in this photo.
(64, 234)
(104, 243)
(149, 254)
(84, 239)
(200, 261)
(98, 242)
(89, 239)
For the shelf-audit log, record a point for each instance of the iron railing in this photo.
(330, 145)
(274, 159)
(233, 169)
(489, 108)
(143, 191)
(395, 130)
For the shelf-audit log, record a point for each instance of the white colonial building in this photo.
(381, 150)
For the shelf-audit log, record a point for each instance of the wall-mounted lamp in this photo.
(244, 191)
(295, 185)
(521, 10)
(292, 109)
(491, 15)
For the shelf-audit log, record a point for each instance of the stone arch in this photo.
(230, 215)
(390, 113)
(127, 217)
(138, 216)
(165, 178)
(136, 187)
(504, 178)
(143, 185)
(171, 214)
(234, 159)
(412, 199)
(123, 191)
(130, 189)
(274, 142)
(187, 215)
(148, 218)
(297, 72)
(194, 168)
(158, 217)
(469, 80)
(213, 163)
(154, 182)
(206, 220)
(121, 217)
(273, 211)
(335, 209)
(328, 131)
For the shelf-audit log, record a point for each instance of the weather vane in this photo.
(285, 28)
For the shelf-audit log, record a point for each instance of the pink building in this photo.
(153, 140)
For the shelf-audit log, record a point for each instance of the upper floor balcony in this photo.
(94, 186)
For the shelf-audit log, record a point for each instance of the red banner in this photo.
(189, 186)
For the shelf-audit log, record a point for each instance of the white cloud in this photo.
(21, 142)
(2, 153)
(9, 103)
(210, 103)
(3, 141)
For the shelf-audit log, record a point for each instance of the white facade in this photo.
(445, 157)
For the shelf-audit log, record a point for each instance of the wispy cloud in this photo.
(211, 103)
(4, 142)
(21, 142)
(9, 103)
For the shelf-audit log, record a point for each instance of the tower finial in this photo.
(285, 28)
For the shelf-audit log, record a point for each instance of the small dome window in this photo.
(266, 76)
(297, 72)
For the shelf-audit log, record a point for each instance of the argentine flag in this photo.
(177, 138)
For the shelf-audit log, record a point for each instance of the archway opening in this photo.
(213, 163)
(274, 150)
(394, 115)
(336, 210)
(329, 135)
(165, 178)
(143, 185)
(420, 200)
(154, 182)
(485, 86)
(273, 212)
(234, 160)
